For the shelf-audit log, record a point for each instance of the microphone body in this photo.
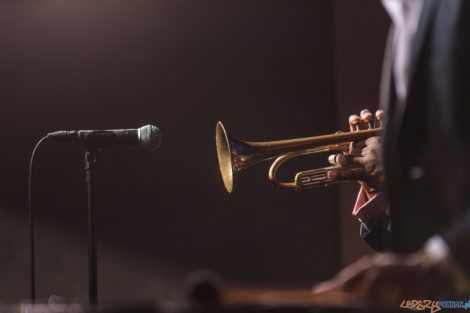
(147, 137)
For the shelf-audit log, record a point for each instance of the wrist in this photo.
(370, 189)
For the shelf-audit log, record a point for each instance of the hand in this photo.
(365, 156)
(388, 279)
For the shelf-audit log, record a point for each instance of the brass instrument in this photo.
(236, 155)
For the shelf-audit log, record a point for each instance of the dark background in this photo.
(267, 69)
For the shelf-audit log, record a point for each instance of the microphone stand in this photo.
(147, 137)
(90, 162)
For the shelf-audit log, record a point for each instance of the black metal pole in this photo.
(90, 161)
(31, 220)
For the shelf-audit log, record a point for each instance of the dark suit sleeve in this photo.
(458, 238)
(379, 236)
(451, 74)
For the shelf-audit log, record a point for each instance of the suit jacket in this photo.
(426, 140)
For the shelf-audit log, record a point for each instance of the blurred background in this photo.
(271, 69)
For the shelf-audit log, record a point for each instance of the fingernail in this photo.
(379, 114)
(366, 116)
(354, 119)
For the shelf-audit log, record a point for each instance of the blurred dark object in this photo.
(201, 291)
(77, 308)
(204, 291)
(82, 308)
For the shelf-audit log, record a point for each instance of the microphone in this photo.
(148, 137)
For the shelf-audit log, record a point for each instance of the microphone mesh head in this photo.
(150, 137)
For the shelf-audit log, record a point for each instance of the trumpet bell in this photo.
(224, 155)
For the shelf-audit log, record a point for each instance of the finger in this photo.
(352, 277)
(366, 119)
(356, 152)
(347, 160)
(354, 122)
(379, 115)
(360, 265)
(366, 282)
(345, 174)
(357, 144)
(340, 132)
(337, 284)
(329, 285)
(373, 141)
(357, 283)
(332, 158)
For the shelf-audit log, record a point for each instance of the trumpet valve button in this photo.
(379, 114)
(378, 117)
(355, 120)
(366, 116)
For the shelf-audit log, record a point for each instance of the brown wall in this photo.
(265, 68)
(268, 69)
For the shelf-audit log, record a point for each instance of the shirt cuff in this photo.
(436, 249)
(369, 210)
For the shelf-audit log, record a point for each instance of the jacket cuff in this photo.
(369, 210)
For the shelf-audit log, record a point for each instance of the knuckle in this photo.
(370, 140)
(344, 159)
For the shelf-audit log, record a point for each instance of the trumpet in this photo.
(235, 155)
